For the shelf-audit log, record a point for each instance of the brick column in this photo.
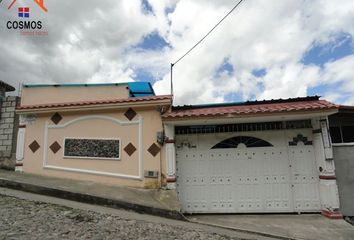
(8, 132)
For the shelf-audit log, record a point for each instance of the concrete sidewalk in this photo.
(284, 226)
(156, 202)
(165, 203)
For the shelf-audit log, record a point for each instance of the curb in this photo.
(86, 198)
(244, 230)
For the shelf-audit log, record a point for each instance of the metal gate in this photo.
(241, 180)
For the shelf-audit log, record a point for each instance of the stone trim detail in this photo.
(130, 114)
(56, 118)
(34, 146)
(130, 149)
(332, 214)
(324, 177)
(55, 147)
(316, 131)
(300, 138)
(171, 179)
(170, 140)
(154, 149)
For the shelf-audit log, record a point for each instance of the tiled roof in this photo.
(8, 88)
(277, 106)
(100, 102)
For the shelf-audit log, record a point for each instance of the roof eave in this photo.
(324, 112)
(146, 104)
(8, 88)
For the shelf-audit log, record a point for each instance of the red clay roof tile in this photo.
(260, 108)
(85, 103)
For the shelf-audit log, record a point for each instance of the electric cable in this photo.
(195, 45)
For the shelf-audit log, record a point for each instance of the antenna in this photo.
(171, 79)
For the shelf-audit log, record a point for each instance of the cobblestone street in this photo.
(23, 219)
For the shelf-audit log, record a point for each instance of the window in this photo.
(92, 148)
(243, 127)
(342, 134)
(336, 136)
(348, 133)
(247, 141)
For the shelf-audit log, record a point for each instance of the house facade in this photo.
(267, 156)
(105, 133)
(252, 157)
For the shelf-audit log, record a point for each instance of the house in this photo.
(251, 157)
(342, 132)
(261, 156)
(100, 132)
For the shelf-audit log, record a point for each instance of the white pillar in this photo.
(324, 160)
(170, 156)
(20, 147)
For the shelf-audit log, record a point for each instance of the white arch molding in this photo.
(138, 122)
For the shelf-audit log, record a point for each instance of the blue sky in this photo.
(263, 50)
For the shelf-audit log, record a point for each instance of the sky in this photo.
(263, 50)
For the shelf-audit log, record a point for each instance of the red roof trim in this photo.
(284, 107)
(100, 102)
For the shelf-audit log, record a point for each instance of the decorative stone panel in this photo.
(154, 149)
(92, 148)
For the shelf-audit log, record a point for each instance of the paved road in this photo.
(30, 216)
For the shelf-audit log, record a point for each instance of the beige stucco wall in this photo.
(96, 128)
(60, 94)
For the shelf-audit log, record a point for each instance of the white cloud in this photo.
(91, 42)
(260, 34)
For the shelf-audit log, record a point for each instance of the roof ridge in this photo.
(247, 103)
(260, 107)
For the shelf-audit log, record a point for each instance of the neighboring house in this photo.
(8, 126)
(342, 133)
(261, 156)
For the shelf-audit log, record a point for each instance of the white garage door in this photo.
(251, 176)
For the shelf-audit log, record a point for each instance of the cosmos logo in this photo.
(40, 3)
(23, 13)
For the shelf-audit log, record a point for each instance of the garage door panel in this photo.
(304, 178)
(246, 180)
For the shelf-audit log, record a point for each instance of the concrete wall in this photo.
(52, 94)
(344, 161)
(8, 132)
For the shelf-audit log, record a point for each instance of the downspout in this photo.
(162, 111)
(159, 179)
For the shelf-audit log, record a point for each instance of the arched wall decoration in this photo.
(300, 138)
(138, 122)
(233, 142)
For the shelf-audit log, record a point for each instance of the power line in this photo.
(195, 45)
(208, 32)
